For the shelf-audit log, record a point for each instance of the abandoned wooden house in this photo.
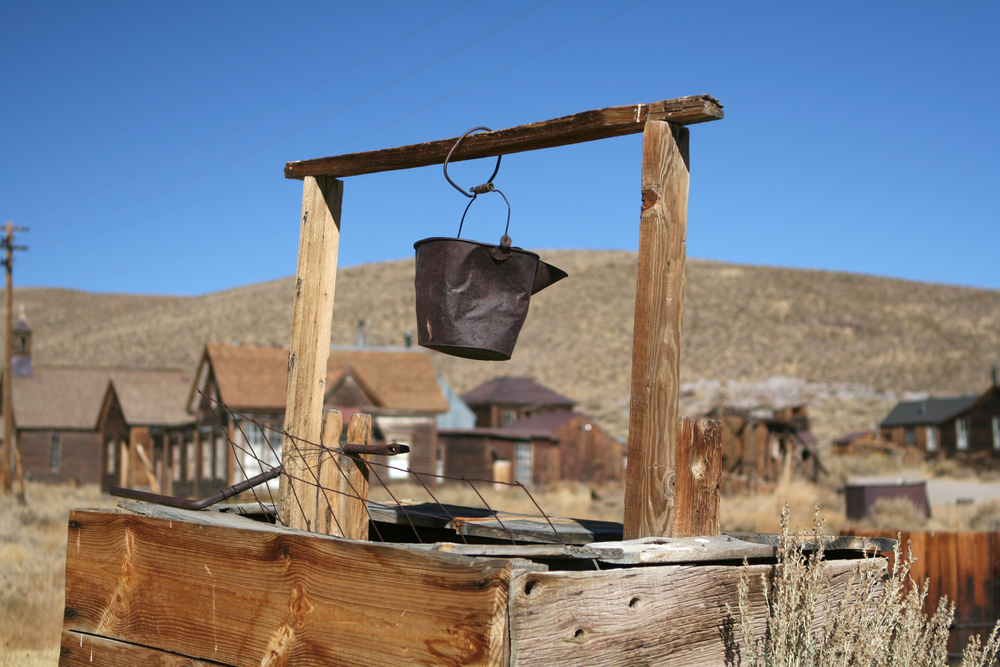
(398, 387)
(762, 445)
(966, 427)
(526, 432)
(59, 415)
(504, 400)
(141, 415)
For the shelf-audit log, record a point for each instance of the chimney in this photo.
(993, 374)
(409, 343)
(361, 333)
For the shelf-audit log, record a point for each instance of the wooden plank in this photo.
(674, 615)
(578, 128)
(312, 320)
(652, 438)
(699, 478)
(226, 590)
(83, 650)
(995, 573)
(352, 481)
(974, 603)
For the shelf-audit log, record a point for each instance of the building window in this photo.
(55, 455)
(400, 462)
(176, 449)
(439, 462)
(522, 463)
(221, 459)
(206, 458)
(962, 433)
(509, 417)
(996, 433)
(189, 462)
(931, 439)
(258, 450)
(911, 436)
(109, 448)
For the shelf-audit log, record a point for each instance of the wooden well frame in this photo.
(161, 586)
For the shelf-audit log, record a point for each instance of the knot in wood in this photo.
(649, 198)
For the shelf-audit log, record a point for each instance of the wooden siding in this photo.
(965, 567)
(79, 461)
(589, 455)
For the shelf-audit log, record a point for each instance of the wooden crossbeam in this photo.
(575, 129)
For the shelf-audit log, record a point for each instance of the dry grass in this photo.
(879, 623)
(32, 569)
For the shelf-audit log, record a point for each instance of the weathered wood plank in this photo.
(578, 128)
(352, 481)
(312, 320)
(82, 650)
(269, 595)
(699, 478)
(669, 615)
(652, 438)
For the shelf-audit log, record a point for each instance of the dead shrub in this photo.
(878, 622)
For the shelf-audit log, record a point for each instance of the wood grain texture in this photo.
(699, 478)
(578, 128)
(668, 615)
(227, 590)
(352, 481)
(652, 440)
(312, 319)
(82, 650)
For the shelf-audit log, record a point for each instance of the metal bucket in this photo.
(472, 297)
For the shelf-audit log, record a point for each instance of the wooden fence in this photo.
(965, 567)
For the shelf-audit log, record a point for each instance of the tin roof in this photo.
(928, 411)
(515, 391)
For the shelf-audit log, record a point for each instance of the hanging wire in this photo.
(478, 189)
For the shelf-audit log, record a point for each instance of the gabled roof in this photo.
(254, 378)
(515, 391)
(929, 411)
(545, 421)
(68, 397)
(153, 398)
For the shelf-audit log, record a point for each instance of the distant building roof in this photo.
(545, 421)
(929, 411)
(499, 433)
(254, 378)
(515, 391)
(153, 398)
(68, 397)
(459, 415)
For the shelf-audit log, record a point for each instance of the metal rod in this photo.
(187, 504)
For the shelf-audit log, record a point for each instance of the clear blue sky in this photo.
(143, 143)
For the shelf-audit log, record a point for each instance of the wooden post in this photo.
(652, 439)
(699, 478)
(343, 507)
(312, 316)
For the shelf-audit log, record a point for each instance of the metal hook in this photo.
(479, 189)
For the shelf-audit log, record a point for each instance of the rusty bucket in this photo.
(472, 297)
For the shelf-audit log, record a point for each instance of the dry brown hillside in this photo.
(848, 344)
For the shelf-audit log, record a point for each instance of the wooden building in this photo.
(530, 434)
(148, 436)
(398, 387)
(965, 427)
(762, 445)
(505, 400)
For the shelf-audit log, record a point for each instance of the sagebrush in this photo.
(879, 622)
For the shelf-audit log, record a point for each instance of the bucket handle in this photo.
(502, 251)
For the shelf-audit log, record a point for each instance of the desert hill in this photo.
(850, 345)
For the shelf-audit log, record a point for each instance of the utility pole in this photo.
(8, 373)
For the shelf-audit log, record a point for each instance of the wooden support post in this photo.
(699, 478)
(652, 439)
(343, 509)
(312, 316)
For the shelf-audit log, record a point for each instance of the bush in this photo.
(879, 622)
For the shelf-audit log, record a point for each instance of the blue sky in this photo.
(143, 143)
